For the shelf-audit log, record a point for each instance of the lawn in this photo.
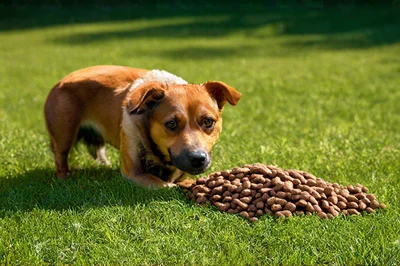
(321, 93)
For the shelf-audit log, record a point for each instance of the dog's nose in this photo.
(197, 159)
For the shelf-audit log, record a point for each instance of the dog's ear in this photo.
(145, 97)
(222, 93)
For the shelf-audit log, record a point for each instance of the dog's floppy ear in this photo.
(145, 97)
(222, 93)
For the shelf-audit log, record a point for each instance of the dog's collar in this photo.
(154, 168)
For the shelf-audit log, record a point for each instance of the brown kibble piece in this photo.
(352, 198)
(280, 201)
(369, 210)
(240, 204)
(286, 213)
(353, 212)
(246, 200)
(245, 192)
(371, 197)
(287, 186)
(276, 207)
(227, 199)
(333, 199)
(244, 214)
(341, 204)
(374, 204)
(246, 184)
(260, 205)
(352, 205)
(253, 219)
(271, 201)
(290, 206)
(222, 206)
(216, 197)
(301, 203)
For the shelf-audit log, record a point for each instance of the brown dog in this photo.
(164, 127)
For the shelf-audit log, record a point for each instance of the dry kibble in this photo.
(333, 199)
(352, 198)
(353, 212)
(322, 215)
(352, 205)
(252, 208)
(240, 204)
(371, 197)
(259, 213)
(246, 200)
(260, 205)
(245, 214)
(286, 213)
(256, 189)
(342, 204)
(301, 203)
(280, 201)
(246, 184)
(222, 206)
(253, 219)
(290, 206)
(271, 201)
(281, 194)
(309, 207)
(325, 204)
(216, 197)
(227, 199)
(311, 182)
(369, 210)
(287, 186)
(374, 204)
(317, 208)
(312, 200)
(276, 207)
(246, 192)
(362, 206)
(382, 206)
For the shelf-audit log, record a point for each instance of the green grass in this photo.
(320, 93)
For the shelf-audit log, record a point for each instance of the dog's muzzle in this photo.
(192, 162)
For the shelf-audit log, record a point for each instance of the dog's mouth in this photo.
(192, 162)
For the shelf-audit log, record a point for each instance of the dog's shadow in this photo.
(86, 188)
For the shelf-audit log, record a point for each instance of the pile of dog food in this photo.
(257, 189)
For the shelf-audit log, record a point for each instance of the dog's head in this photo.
(183, 121)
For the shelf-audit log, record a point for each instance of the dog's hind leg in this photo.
(62, 115)
(94, 141)
(101, 156)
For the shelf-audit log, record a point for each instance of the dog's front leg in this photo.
(132, 169)
(181, 179)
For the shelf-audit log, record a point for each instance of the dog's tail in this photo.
(91, 137)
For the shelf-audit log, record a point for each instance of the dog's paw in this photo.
(169, 185)
(186, 184)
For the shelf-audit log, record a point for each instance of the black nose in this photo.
(197, 159)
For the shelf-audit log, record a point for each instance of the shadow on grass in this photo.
(87, 188)
(327, 29)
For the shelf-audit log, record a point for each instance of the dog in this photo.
(164, 127)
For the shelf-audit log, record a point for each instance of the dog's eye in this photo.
(208, 123)
(171, 125)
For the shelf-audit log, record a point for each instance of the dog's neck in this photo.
(152, 159)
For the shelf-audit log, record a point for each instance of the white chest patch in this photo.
(158, 75)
